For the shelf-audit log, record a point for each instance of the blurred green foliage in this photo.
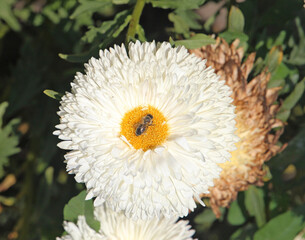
(8, 139)
(44, 43)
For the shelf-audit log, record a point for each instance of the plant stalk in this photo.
(135, 18)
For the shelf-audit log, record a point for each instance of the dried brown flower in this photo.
(255, 119)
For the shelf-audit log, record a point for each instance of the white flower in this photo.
(160, 166)
(80, 231)
(116, 226)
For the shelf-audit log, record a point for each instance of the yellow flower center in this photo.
(144, 127)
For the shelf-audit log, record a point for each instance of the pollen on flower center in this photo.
(144, 127)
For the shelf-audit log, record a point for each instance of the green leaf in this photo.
(254, 202)
(298, 110)
(294, 96)
(244, 233)
(190, 18)
(75, 207)
(174, 4)
(78, 206)
(108, 30)
(196, 41)
(119, 2)
(280, 39)
(274, 58)
(258, 65)
(31, 65)
(295, 148)
(230, 36)
(3, 107)
(80, 57)
(276, 83)
(7, 15)
(38, 20)
(205, 219)
(278, 77)
(89, 214)
(283, 115)
(122, 26)
(291, 101)
(50, 13)
(180, 25)
(53, 94)
(236, 21)
(8, 139)
(297, 54)
(171, 41)
(89, 6)
(283, 227)
(49, 175)
(235, 215)
(3, 29)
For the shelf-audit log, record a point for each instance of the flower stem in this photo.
(135, 18)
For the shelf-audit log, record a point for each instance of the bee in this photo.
(145, 122)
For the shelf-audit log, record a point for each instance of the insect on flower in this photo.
(145, 122)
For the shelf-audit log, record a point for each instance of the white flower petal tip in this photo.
(115, 225)
(146, 129)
